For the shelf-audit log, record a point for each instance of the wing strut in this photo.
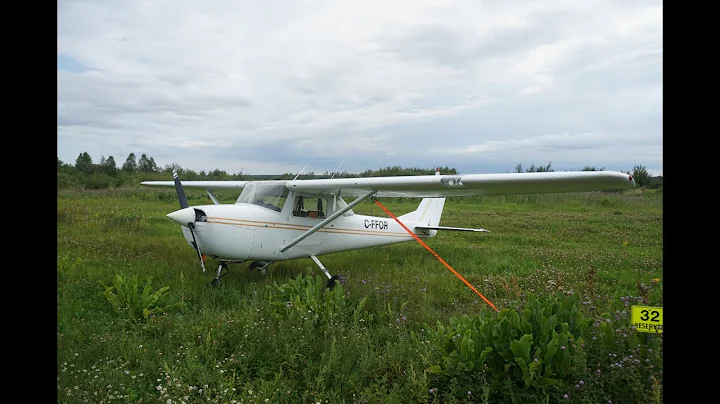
(327, 220)
(212, 196)
(435, 254)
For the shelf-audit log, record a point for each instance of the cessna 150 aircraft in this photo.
(275, 220)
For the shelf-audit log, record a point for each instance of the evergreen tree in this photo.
(130, 163)
(146, 165)
(84, 163)
(108, 165)
(142, 163)
(110, 162)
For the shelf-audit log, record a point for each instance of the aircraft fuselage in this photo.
(244, 231)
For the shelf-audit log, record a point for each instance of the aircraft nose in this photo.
(183, 216)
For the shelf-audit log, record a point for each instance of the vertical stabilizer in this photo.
(428, 212)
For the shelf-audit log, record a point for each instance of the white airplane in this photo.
(280, 220)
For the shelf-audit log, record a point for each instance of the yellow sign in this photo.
(647, 319)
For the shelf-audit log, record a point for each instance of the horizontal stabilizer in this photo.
(449, 228)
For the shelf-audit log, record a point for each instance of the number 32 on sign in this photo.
(647, 319)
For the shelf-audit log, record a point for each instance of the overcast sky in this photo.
(266, 87)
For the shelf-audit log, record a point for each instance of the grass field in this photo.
(402, 328)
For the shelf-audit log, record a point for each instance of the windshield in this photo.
(341, 204)
(268, 194)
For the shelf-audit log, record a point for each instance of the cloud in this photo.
(270, 88)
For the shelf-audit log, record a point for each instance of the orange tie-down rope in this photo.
(435, 254)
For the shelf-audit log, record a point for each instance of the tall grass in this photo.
(281, 337)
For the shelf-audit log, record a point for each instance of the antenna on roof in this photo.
(298, 174)
(338, 168)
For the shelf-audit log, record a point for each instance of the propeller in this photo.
(180, 191)
(186, 215)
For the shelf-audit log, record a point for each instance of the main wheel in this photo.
(334, 279)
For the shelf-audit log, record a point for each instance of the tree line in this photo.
(639, 172)
(86, 174)
(106, 174)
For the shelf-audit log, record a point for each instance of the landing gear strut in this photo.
(331, 278)
(223, 265)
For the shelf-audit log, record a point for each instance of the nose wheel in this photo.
(219, 274)
(216, 281)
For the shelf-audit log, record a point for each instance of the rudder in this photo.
(428, 212)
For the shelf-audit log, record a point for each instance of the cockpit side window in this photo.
(313, 207)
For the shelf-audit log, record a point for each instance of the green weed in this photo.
(135, 305)
(545, 347)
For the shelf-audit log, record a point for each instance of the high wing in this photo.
(469, 184)
(443, 185)
(209, 186)
(199, 184)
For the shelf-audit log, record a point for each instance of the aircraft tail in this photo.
(428, 213)
(426, 217)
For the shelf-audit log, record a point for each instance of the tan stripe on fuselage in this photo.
(299, 227)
